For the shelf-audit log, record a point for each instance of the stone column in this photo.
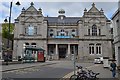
(56, 54)
(68, 52)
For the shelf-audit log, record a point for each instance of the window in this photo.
(98, 48)
(51, 32)
(31, 30)
(73, 30)
(73, 33)
(94, 30)
(62, 33)
(58, 33)
(33, 44)
(99, 31)
(111, 30)
(91, 48)
(27, 44)
(88, 31)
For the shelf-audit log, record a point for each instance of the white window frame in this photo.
(91, 51)
(99, 49)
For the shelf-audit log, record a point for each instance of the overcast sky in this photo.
(51, 8)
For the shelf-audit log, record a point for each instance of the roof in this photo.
(65, 20)
(34, 48)
(115, 14)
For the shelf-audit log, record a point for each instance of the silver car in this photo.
(98, 60)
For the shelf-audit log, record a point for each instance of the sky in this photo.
(73, 9)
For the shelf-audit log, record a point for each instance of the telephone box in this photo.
(40, 56)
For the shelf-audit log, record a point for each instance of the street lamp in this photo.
(74, 58)
(9, 22)
(9, 27)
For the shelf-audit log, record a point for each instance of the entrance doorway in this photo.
(62, 51)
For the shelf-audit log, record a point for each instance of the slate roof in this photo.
(65, 20)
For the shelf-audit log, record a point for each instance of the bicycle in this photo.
(83, 74)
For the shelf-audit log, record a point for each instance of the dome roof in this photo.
(61, 11)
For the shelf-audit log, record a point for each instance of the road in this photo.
(49, 71)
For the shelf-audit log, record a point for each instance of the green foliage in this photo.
(5, 31)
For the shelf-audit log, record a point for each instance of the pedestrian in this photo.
(113, 68)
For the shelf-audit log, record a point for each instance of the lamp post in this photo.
(23, 54)
(10, 22)
(8, 42)
(74, 58)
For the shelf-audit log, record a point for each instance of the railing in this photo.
(65, 37)
(62, 37)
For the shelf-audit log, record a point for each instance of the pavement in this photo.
(105, 73)
(11, 67)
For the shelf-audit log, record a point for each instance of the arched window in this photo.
(91, 49)
(73, 30)
(33, 44)
(88, 31)
(94, 30)
(73, 33)
(26, 44)
(62, 33)
(51, 32)
(98, 48)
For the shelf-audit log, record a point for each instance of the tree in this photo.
(5, 33)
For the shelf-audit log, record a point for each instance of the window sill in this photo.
(30, 35)
(96, 36)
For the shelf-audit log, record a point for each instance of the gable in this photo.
(94, 20)
(31, 19)
(31, 8)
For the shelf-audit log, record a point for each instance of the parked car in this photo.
(98, 60)
(101, 58)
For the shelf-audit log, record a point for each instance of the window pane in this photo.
(51, 34)
(96, 50)
(94, 30)
(99, 31)
(35, 32)
(89, 50)
(30, 30)
(99, 50)
(92, 50)
(88, 31)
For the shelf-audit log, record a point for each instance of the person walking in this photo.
(113, 68)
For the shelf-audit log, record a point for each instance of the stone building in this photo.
(0, 41)
(116, 32)
(88, 36)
